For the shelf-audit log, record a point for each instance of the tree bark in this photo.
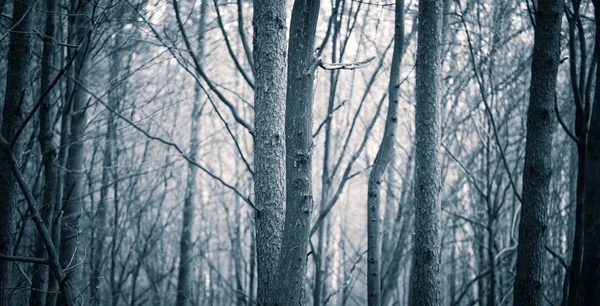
(73, 187)
(299, 149)
(531, 253)
(46, 112)
(384, 155)
(425, 278)
(13, 113)
(269, 43)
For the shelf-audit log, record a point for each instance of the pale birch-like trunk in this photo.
(384, 155)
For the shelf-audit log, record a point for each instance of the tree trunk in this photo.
(580, 125)
(184, 290)
(46, 111)
(13, 113)
(269, 142)
(425, 278)
(531, 253)
(299, 149)
(114, 97)
(589, 291)
(326, 179)
(73, 187)
(384, 155)
(65, 132)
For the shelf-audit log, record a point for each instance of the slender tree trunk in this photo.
(46, 112)
(531, 253)
(581, 129)
(589, 291)
(491, 295)
(299, 149)
(73, 188)
(269, 142)
(453, 263)
(398, 239)
(326, 179)
(13, 113)
(65, 132)
(114, 97)
(185, 244)
(425, 278)
(388, 231)
(384, 155)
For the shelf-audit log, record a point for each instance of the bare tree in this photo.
(73, 185)
(384, 155)
(269, 52)
(299, 149)
(14, 110)
(538, 163)
(185, 244)
(425, 278)
(46, 112)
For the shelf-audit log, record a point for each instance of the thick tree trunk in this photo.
(425, 278)
(73, 187)
(14, 110)
(184, 289)
(384, 155)
(46, 112)
(269, 142)
(299, 149)
(589, 291)
(531, 253)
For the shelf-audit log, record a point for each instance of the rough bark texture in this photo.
(269, 142)
(184, 288)
(589, 291)
(15, 101)
(299, 149)
(73, 187)
(384, 155)
(46, 111)
(425, 278)
(528, 287)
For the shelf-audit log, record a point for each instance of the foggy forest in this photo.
(301, 152)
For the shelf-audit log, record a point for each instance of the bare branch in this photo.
(24, 259)
(562, 123)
